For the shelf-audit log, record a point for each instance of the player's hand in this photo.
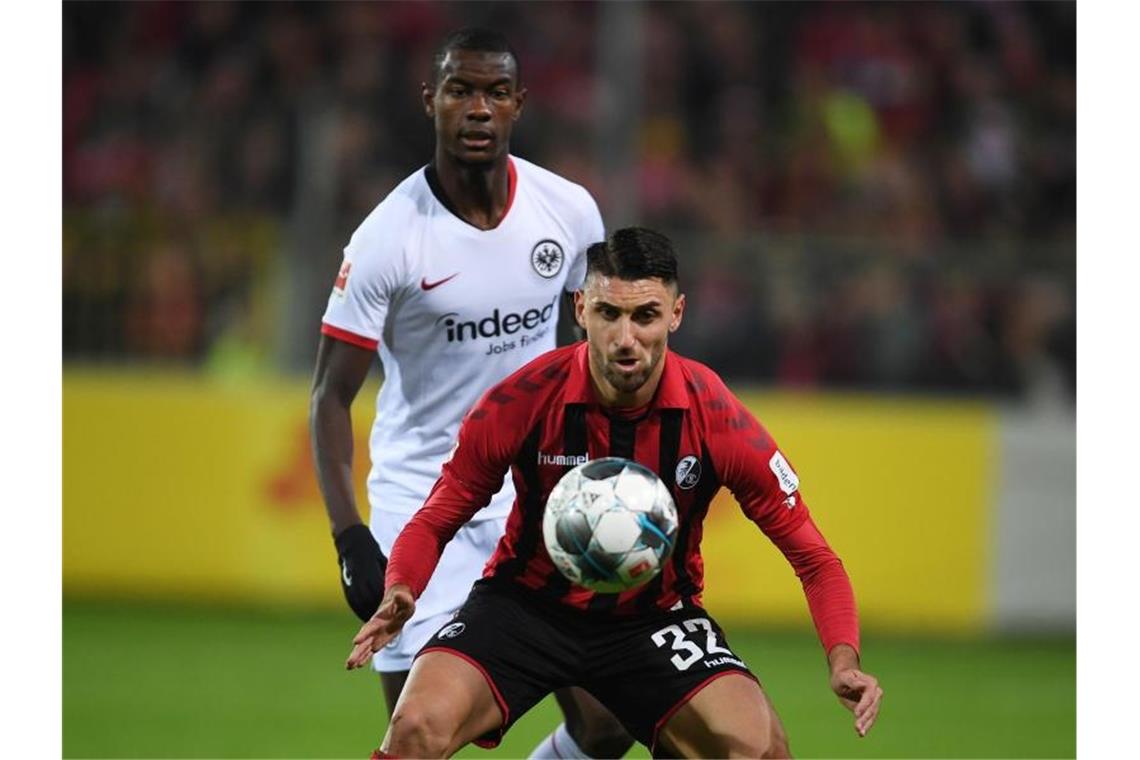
(362, 566)
(861, 694)
(394, 611)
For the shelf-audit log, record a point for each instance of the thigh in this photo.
(521, 654)
(648, 669)
(445, 704)
(728, 717)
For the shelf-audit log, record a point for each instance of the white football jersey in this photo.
(453, 310)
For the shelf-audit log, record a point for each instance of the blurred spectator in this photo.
(164, 315)
(874, 194)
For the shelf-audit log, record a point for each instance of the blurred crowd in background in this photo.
(865, 195)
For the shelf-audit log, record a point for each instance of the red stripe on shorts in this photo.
(484, 743)
(684, 700)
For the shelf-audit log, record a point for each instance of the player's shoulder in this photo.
(544, 373)
(388, 222)
(534, 385)
(714, 404)
(545, 182)
(701, 381)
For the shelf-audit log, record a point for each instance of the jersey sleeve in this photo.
(370, 276)
(751, 466)
(485, 448)
(590, 231)
(830, 598)
(764, 482)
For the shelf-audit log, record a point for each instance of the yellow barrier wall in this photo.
(903, 491)
(175, 486)
(179, 487)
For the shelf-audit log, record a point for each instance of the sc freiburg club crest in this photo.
(547, 258)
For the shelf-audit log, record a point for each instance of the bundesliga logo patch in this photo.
(546, 257)
(342, 279)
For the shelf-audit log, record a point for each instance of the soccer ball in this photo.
(609, 524)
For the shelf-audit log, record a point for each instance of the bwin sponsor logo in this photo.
(496, 324)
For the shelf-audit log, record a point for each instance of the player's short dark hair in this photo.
(633, 253)
(477, 39)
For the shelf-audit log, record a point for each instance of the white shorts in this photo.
(460, 565)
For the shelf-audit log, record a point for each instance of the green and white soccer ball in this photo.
(609, 525)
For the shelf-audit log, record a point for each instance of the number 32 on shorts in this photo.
(689, 652)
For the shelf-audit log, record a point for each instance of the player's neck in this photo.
(477, 193)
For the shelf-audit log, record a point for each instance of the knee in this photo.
(777, 748)
(775, 744)
(416, 732)
(600, 734)
(767, 740)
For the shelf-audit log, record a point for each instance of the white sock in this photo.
(558, 746)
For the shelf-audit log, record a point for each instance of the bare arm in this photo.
(341, 371)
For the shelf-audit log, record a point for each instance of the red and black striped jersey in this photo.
(695, 434)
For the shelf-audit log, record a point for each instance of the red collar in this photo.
(437, 190)
(671, 391)
(512, 185)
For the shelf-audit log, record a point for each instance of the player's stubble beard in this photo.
(630, 383)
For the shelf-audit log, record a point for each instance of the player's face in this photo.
(474, 104)
(627, 324)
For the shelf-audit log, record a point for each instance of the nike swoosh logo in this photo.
(429, 285)
(345, 574)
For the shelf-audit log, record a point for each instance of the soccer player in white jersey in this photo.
(456, 279)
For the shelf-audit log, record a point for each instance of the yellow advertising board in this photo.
(177, 486)
(903, 491)
(180, 487)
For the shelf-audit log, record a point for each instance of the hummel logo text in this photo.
(562, 460)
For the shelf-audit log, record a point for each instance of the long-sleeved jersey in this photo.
(695, 434)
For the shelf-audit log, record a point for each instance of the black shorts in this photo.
(643, 668)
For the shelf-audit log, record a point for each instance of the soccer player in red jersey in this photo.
(456, 280)
(652, 654)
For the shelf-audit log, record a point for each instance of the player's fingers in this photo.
(363, 650)
(869, 688)
(370, 629)
(863, 724)
(359, 656)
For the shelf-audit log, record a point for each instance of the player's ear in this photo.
(520, 98)
(580, 309)
(427, 93)
(678, 312)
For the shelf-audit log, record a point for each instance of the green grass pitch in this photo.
(198, 682)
